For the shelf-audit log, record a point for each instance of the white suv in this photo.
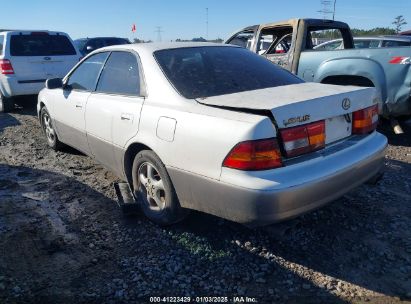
(28, 58)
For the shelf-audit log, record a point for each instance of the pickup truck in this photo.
(291, 43)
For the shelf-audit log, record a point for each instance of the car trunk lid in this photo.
(301, 104)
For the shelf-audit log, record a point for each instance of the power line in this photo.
(158, 31)
(207, 23)
(325, 8)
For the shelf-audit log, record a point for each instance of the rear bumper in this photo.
(280, 194)
(10, 86)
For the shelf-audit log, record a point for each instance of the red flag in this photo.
(133, 28)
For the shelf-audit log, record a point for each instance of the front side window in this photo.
(41, 44)
(201, 72)
(84, 77)
(120, 75)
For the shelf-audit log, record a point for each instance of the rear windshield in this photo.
(211, 71)
(41, 45)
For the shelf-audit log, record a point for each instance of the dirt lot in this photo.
(63, 238)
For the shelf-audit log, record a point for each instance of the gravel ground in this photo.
(63, 238)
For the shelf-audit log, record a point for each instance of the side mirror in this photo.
(54, 83)
(89, 48)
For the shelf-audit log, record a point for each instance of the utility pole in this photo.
(335, 1)
(158, 31)
(207, 23)
(326, 8)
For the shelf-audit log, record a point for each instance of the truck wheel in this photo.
(48, 129)
(153, 189)
(6, 104)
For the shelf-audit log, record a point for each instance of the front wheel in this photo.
(48, 129)
(154, 190)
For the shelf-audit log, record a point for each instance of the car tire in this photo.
(48, 129)
(6, 104)
(153, 189)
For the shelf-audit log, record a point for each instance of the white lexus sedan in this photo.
(214, 128)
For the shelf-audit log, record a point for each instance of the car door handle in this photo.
(79, 106)
(126, 116)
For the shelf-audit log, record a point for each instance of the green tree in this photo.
(399, 21)
(372, 32)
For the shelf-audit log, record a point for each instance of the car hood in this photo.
(296, 104)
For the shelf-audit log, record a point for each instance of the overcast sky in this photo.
(185, 19)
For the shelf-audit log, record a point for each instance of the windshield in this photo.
(211, 71)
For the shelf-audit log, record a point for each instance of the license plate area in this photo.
(338, 127)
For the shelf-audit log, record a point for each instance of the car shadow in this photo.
(6, 120)
(54, 228)
(61, 238)
(357, 241)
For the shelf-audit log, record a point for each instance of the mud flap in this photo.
(126, 200)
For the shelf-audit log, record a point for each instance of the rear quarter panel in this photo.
(203, 136)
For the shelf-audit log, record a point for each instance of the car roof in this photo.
(156, 46)
(31, 31)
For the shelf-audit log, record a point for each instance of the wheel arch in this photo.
(131, 152)
(356, 80)
(353, 71)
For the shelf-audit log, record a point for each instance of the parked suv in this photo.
(28, 58)
(87, 45)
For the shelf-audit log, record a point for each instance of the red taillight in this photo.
(365, 120)
(5, 67)
(250, 155)
(303, 139)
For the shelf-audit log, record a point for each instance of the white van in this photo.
(28, 58)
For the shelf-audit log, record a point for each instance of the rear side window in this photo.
(120, 75)
(84, 77)
(41, 45)
(1, 44)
